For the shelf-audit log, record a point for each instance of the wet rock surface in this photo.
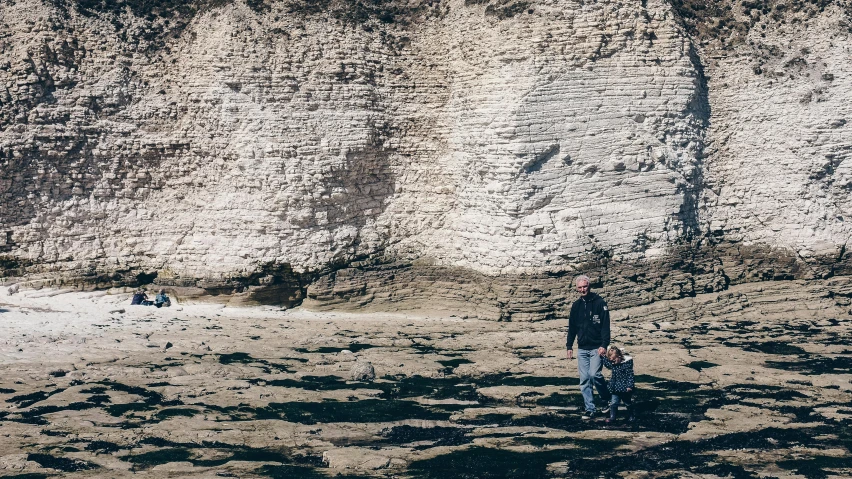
(752, 382)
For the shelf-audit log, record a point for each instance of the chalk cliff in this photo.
(466, 154)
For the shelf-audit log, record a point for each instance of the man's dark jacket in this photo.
(589, 323)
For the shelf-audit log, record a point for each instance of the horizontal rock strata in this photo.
(461, 154)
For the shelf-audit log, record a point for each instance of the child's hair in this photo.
(614, 352)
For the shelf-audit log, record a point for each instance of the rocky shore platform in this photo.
(753, 381)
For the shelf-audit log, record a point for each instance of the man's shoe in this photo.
(605, 410)
(589, 415)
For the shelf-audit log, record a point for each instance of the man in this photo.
(589, 324)
(139, 298)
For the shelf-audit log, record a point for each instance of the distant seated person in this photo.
(162, 300)
(141, 298)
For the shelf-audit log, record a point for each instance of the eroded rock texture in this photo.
(469, 155)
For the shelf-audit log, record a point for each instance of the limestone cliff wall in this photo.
(465, 154)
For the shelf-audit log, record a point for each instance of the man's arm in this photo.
(572, 334)
(604, 327)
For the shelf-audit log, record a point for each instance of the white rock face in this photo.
(496, 137)
(570, 130)
(781, 166)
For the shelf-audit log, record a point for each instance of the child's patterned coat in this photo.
(622, 374)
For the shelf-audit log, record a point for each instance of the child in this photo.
(162, 300)
(621, 385)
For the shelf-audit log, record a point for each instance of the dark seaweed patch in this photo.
(774, 347)
(64, 448)
(423, 348)
(801, 328)
(289, 471)
(449, 407)
(667, 457)
(437, 436)
(247, 454)
(551, 420)
(163, 367)
(301, 360)
(598, 445)
(816, 467)
(801, 413)
(60, 463)
(173, 412)
(34, 415)
(815, 365)
(454, 363)
(317, 383)
(150, 400)
(559, 399)
(27, 400)
(669, 406)
(103, 447)
(161, 456)
(186, 452)
(697, 456)
(117, 410)
(433, 388)
(646, 378)
(759, 391)
(461, 388)
(94, 390)
(322, 350)
(37, 420)
(508, 379)
(370, 410)
(489, 463)
(6, 391)
(570, 422)
(150, 397)
(679, 386)
(42, 410)
(488, 419)
(236, 358)
(160, 442)
(99, 399)
(699, 365)
(244, 358)
(541, 441)
(485, 463)
(356, 347)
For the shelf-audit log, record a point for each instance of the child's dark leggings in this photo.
(626, 398)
